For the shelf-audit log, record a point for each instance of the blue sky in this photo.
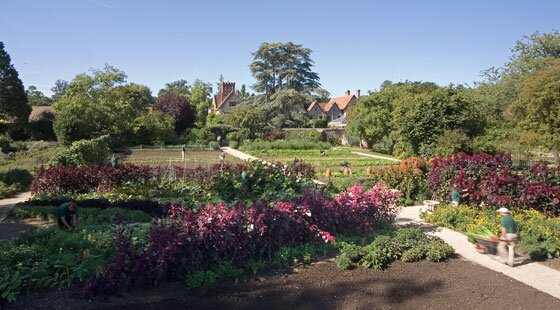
(356, 44)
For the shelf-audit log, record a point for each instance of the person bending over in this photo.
(66, 215)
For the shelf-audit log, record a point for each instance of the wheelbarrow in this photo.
(487, 246)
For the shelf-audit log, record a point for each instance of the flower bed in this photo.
(490, 180)
(191, 241)
(539, 234)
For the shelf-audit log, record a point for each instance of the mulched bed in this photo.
(455, 284)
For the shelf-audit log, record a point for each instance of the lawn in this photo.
(331, 160)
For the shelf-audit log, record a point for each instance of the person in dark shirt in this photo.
(509, 234)
(67, 216)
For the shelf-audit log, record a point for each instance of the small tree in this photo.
(179, 108)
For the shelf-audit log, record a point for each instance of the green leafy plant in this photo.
(202, 280)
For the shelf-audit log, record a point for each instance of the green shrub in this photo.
(82, 152)
(234, 144)
(5, 144)
(226, 270)
(202, 280)
(438, 250)
(376, 258)
(154, 128)
(7, 191)
(69, 127)
(214, 145)
(351, 251)
(343, 262)
(415, 254)
(86, 216)
(16, 176)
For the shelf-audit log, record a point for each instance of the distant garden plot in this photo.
(332, 159)
(194, 157)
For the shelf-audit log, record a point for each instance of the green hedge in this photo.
(89, 216)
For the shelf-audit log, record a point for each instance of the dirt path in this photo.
(536, 275)
(377, 156)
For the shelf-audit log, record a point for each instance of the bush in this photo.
(191, 241)
(415, 254)
(20, 177)
(214, 145)
(5, 144)
(83, 152)
(69, 127)
(233, 144)
(438, 250)
(42, 127)
(409, 177)
(86, 216)
(154, 128)
(489, 179)
(343, 262)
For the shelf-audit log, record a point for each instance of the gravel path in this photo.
(7, 204)
(540, 277)
(377, 156)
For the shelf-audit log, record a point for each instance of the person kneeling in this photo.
(66, 215)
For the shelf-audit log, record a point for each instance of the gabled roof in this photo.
(341, 103)
(226, 98)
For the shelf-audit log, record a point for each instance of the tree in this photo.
(178, 107)
(201, 94)
(280, 66)
(36, 97)
(537, 108)
(104, 102)
(13, 101)
(179, 87)
(59, 89)
(419, 119)
(287, 109)
(154, 128)
(249, 119)
(370, 119)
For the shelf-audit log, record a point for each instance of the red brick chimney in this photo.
(226, 88)
(357, 93)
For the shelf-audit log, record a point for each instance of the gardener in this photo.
(508, 234)
(66, 215)
(114, 160)
(183, 152)
(455, 197)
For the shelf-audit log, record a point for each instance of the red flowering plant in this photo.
(192, 240)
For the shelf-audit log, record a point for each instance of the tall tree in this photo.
(36, 97)
(179, 87)
(100, 103)
(201, 99)
(13, 101)
(278, 66)
(370, 119)
(179, 108)
(59, 89)
(537, 108)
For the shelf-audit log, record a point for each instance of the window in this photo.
(232, 103)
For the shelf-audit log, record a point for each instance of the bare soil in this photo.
(553, 263)
(455, 284)
(13, 227)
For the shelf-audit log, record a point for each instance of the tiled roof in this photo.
(341, 102)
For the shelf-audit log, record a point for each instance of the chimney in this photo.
(347, 93)
(358, 93)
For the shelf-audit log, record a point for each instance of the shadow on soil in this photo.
(378, 292)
